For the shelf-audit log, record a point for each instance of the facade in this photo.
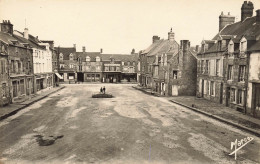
(18, 66)
(67, 71)
(168, 68)
(225, 74)
(42, 59)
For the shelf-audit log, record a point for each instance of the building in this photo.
(67, 72)
(18, 66)
(42, 59)
(168, 68)
(225, 74)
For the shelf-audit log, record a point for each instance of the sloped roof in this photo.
(248, 27)
(117, 57)
(152, 46)
(8, 38)
(163, 46)
(66, 51)
(255, 47)
(32, 44)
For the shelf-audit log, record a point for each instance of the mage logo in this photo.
(237, 145)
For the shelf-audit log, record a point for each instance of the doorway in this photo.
(80, 77)
(228, 96)
(221, 94)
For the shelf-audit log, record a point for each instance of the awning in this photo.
(59, 76)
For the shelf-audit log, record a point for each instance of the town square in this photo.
(126, 82)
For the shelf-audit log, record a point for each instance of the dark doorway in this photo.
(256, 99)
(202, 88)
(80, 77)
(221, 94)
(228, 96)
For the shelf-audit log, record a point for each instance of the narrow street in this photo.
(70, 126)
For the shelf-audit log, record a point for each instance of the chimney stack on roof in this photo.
(258, 15)
(185, 45)
(155, 38)
(171, 35)
(7, 27)
(83, 49)
(133, 51)
(246, 10)
(101, 50)
(26, 33)
(225, 20)
(74, 45)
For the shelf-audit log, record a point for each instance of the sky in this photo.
(118, 26)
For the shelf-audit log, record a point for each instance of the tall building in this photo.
(228, 63)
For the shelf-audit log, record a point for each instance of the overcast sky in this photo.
(117, 26)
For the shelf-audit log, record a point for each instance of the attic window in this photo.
(98, 59)
(71, 56)
(230, 48)
(243, 46)
(219, 45)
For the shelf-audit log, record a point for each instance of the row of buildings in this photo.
(225, 69)
(96, 66)
(29, 65)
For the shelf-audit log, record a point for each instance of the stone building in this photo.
(67, 71)
(167, 68)
(18, 65)
(224, 63)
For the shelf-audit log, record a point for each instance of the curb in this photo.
(252, 131)
(148, 93)
(17, 110)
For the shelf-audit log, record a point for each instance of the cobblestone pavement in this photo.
(71, 127)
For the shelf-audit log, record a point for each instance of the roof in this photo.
(118, 57)
(66, 51)
(152, 46)
(248, 27)
(8, 38)
(255, 47)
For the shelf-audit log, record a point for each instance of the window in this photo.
(242, 71)
(175, 74)
(159, 59)
(128, 63)
(212, 88)
(2, 67)
(87, 59)
(219, 45)
(112, 68)
(202, 66)
(97, 59)
(233, 95)
(207, 66)
(106, 68)
(117, 69)
(156, 71)
(123, 63)
(133, 63)
(71, 66)
(61, 57)
(230, 72)
(4, 90)
(71, 56)
(243, 46)
(217, 67)
(80, 67)
(231, 48)
(240, 97)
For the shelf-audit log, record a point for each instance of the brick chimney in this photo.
(26, 33)
(171, 35)
(7, 27)
(185, 45)
(101, 50)
(133, 51)
(74, 45)
(225, 20)
(258, 15)
(155, 38)
(83, 49)
(246, 10)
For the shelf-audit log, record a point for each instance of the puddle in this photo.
(46, 141)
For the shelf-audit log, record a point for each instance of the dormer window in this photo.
(123, 63)
(219, 45)
(87, 59)
(61, 56)
(231, 47)
(97, 59)
(243, 45)
(71, 56)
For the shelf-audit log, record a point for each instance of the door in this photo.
(202, 88)
(228, 96)
(175, 90)
(221, 94)
(256, 99)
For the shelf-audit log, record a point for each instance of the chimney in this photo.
(155, 38)
(7, 27)
(197, 48)
(258, 15)
(74, 45)
(185, 45)
(246, 10)
(133, 51)
(83, 49)
(26, 33)
(171, 35)
(101, 50)
(225, 20)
